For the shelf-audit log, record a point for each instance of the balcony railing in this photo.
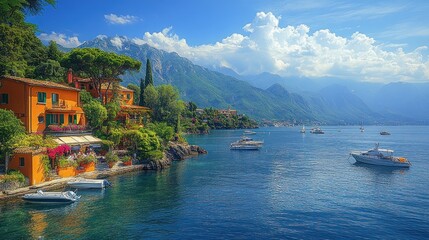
(59, 130)
(60, 104)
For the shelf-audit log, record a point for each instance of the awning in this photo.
(78, 140)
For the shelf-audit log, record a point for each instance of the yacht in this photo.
(302, 129)
(317, 131)
(83, 183)
(384, 133)
(379, 156)
(51, 197)
(362, 129)
(246, 143)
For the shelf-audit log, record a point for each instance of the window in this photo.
(41, 97)
(128, 96)
(21, 162)
(72, 119)
(52, 119)
(41, 119)
(55, 98)
(4, 98)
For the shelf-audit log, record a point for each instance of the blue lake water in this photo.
(298, 186)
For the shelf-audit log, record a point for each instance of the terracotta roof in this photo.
(41, 83)
(79, 79)
(30, 150)
(122, 88)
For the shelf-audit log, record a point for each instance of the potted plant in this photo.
(127, 160)
(87, 162)
(111, 159)
(66, 167)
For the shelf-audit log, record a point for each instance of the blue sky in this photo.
(366, 40)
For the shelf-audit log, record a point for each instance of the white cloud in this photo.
(115, 19)
(61, 39)
(295, 51)
(118, 41)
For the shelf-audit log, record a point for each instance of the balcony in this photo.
(59, 130)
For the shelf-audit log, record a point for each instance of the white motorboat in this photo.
(246, 143)
(83, 183)
(302, 129)
(248, 132)
(379, 156)
(317, 131)
(51, 197)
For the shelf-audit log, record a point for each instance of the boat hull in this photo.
(51, 197)
(245, 147)
(379, 161)
(88, 184)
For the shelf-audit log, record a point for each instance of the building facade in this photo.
(39, 104)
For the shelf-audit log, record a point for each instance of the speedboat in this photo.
(248, 132)
(384, 133)
(83, 183)
(379, 156)
(51, 197)
(302, 129)
(317, 131)
(246, 143)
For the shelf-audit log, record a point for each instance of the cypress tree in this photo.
(144, 83)
(142, 87)
(148, 80)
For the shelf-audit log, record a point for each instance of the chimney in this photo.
(70, 76)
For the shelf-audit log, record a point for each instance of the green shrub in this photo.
(87, 159)
(152, 155)
(111, 157)
(63, 162)
(46, 165)
(125, 158)
(14, 175)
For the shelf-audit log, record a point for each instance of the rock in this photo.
(179, 151)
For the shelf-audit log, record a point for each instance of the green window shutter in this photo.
(41, 97)
(48, 119)
(70, 119)
(75, 119)
(61, 118)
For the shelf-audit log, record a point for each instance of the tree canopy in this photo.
(95, 113)
(10, 128)
(164, 102)
(100, 66)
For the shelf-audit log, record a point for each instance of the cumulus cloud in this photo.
(118, 41)
(295, 51)
(115, 19)
(61, 39)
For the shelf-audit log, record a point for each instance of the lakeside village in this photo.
(93, 128)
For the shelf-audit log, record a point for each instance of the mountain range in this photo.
(268, 96)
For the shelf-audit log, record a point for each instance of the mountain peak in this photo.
(278, 90)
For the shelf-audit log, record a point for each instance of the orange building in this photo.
(39, 104)
(30, 163)
(129, 112)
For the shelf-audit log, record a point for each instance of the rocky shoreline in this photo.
(175, 152)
